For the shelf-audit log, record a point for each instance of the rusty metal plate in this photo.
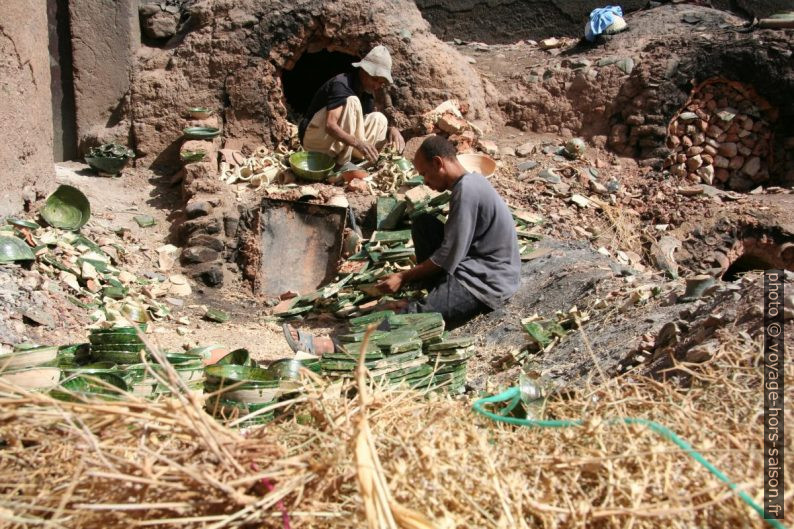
(301, 245)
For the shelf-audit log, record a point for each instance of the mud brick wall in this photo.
(26, 154)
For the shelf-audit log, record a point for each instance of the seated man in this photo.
(341, 120)
(471, 263)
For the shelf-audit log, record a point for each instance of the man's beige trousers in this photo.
(370, 129)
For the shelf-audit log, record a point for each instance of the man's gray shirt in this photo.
(480, 247)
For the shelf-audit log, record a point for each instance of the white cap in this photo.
(377, 63)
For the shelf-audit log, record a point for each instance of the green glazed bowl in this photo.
(67, 208)
(14, 249)
(314, 166)
(201, 133)
(112, 166)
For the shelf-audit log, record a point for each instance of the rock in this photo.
(199, 254)
(230, 223)
(208, 241)
(694, 150)
(686, 142)
(707, 160)
(549, 176)
(663, 255)
(626, 65)
(198, 209)
(687, 116)
(581, 201)
(548, 44)
(452, 124)
(706, 174)
(736, 163)
(160, 25)
(694, 162)
(728, 150)
(711, 151)
(507, 151)
(212, 277)
(488, 147)
(714, 132)
(721, 162)
(635, 119)
(722, 175)
(357, 185)
(598, 187)
(526, 166)
(752, 166)
(702, 352)
(525, 150)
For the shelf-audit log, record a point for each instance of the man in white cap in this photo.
(341, 120)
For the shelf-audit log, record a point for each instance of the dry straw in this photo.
(392, 458)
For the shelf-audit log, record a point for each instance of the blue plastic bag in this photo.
(600, 19)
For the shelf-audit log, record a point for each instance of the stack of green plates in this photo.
(90, 383)
(235, 391)
(120, 345)
(428, 325)
(393, 356)
(447, 358)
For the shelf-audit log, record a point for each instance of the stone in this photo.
(722, 175)
(707, 160)
(197, 209)
(752, 166)
(714, 131)
(528, 165)
(548, 44)
(598, 187)
(635, 119)
(507, 151)
(452, 124)
(357, 185)
(686, 142)
(525, 150)
(549, 176)
(687, 116)
(721, 162)
(199, 254)
(212, 277)
(694, 150)
(160, 25)
(706, 174)
(728, 150)
(702, 352)
(488, 147)
(711, 151)
(626, 65)
(230, 224)
(698, 138)
(694, 162)
(736, 163)
(208, 241)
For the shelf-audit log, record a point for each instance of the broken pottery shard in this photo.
(144, 221)
(581, 201)
(216, 315)
(663, 255)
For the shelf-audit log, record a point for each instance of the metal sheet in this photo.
(301, 245)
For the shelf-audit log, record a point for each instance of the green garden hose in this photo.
(513, 395)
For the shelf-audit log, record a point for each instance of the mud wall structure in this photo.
(230, 56)
(105, 38)
(26, 153)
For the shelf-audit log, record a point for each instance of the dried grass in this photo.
(168, 464)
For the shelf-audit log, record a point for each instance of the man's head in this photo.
(437, 161)
(375, 69)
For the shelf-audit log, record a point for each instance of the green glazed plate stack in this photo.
(120, 345)
(447, 359)
(237, 390)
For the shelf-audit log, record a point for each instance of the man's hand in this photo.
(395, 139)
(369, 151)
(391, 284)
